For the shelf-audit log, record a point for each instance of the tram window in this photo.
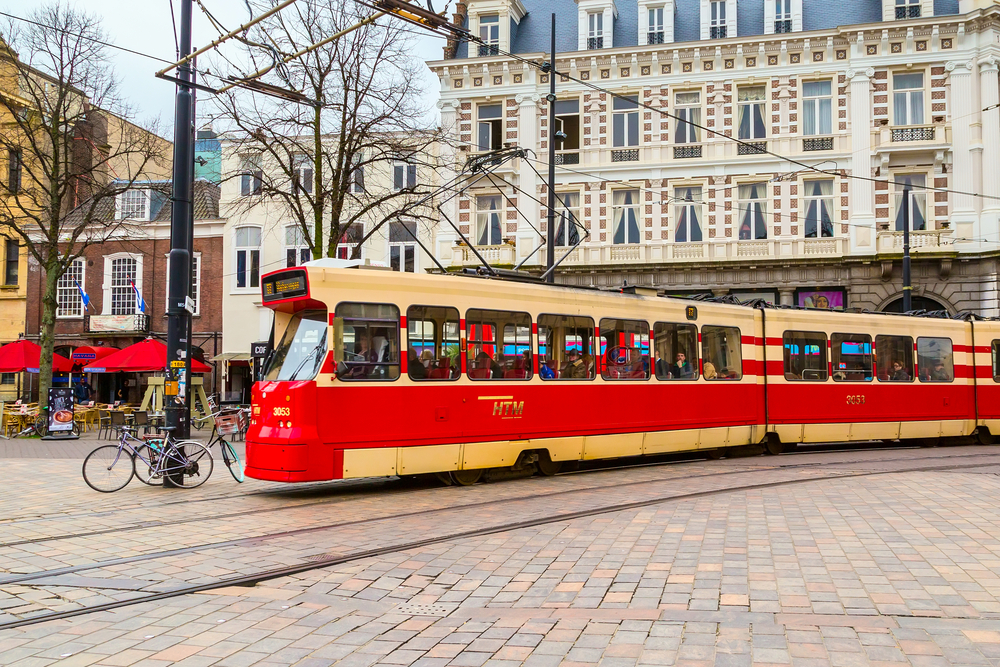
(624, 350)
(721, 353)
(302, 348)
(676, 350)
(432, 334)
(851, 355)
(894, 358)
(368, 342)
(499, 345)
(565, 347)
(935, 360)
(996, 360)
(805, 356)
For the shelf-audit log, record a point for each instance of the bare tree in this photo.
(70, 144)
(369, 112)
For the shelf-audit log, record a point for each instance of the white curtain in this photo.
(911, 187)
(626, 216)
(688, 225)
(819, 209)
(752, 211)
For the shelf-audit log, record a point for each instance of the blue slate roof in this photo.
(532, 34)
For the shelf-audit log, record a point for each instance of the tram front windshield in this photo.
(299, 354)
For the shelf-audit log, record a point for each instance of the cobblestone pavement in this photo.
(833, 558)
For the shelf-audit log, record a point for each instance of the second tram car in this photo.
(379, 373)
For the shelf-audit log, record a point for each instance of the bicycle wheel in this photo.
(106, 469)
(195, 464)
(232, 460)
(148, 470)
(42, 425)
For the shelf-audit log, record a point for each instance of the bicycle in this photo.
(110, 468)
(226, 424)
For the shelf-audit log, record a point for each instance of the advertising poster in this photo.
(820, 299)
(60, 410)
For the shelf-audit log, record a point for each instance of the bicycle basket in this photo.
(227, 424)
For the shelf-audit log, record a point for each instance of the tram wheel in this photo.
(444, 478)
(713, 454)
(774, 444)
(983, 436)
(466, 477)
(926, 443)
(546, 466)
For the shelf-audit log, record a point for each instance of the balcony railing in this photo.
(625, 155)
(568, 158)
(908, 12)
(928, 240)
(817, 144)
(595, 43)
(717, 32)
(117, 324)
(489, 49)
(494, 254)
(751, 148)
(783, 25)
(654, 37)
(686, 151)
(916, 133)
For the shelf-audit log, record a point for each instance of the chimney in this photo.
(458, 18)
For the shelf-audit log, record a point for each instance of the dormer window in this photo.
(782, 16)
(595, 35)
(907, 9)
(489, 32)
(717, 26)
(654, 34)
(134, 205)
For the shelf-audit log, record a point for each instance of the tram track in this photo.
(334, 501)
(319, 562)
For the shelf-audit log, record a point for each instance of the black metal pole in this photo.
(550, 246)
(188, 338)
(180, 224)
(907, 287)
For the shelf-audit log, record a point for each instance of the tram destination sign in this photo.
(285, 285)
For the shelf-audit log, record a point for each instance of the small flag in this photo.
(140, 303)
(83, 295)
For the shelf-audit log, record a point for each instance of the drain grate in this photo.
(414, 609)
(319, 558)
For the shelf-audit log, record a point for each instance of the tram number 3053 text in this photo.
(855, 399)
(282, 412)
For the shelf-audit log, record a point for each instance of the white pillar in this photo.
(446, 236)
(963, 209)
(529, 137)
(988, 84)
(862, 201)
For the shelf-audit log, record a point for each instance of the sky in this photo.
(145, 26)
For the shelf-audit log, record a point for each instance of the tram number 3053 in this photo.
(282, 412)
(855, 399)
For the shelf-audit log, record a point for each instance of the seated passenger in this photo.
(682, 369)
(709, 371)
(575, 367)
(496, 367)
(427, 358)
(415, 369)
(663, 368)
(898, 374)
(548, 370)
(938, 373)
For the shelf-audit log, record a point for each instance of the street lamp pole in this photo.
(550, 239)
(907, 287)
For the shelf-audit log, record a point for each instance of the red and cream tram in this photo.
(380, 373)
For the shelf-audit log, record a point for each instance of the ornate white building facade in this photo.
(896, 101)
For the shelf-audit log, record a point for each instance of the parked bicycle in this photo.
(223, 425)
(110, 468)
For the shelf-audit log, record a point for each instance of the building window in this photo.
(251, 177)
(404, 176)
(302, 174)
(819, 209)
(69, 300)
(625, 211)
(403, 246)
(687, 213)
(568, 122)
(752, 209)
(358, 174)
(911, 202)
(133, 205)
(195, 282)
(14, 166)
(782, 16)
(688, 108)
(352, 235)
(297, 250)
(490, 127)
(8, 378)
(124, 273)
(908, 98)
(625, 121)
(488, 215)
(595, 35)
(717, 26)
(12, 259)
(817, 108)
(907, 9)
(567, 218)
(247, 257)
(655, 33)
(751, 113)
(489, 32)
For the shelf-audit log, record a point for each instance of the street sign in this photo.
(189, 304)
(259, 350)
(177, 363)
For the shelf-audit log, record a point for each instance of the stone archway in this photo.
(895, 304)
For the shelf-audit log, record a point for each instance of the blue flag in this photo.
(83, 295)
(140, 303)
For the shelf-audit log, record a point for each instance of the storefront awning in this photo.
(232, 356)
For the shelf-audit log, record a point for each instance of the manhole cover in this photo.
(414, 609)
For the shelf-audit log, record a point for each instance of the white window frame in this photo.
(297, 247)
(490, 121)
(666, 10)
(235, 249)
(302, 164)
(250, 168)
(791, 10)
(808, 198)
(108, 289)
(344, 250)
(602, 28)
(572, 212)
(616, 213)
(405, 174)
(403, 243)
(489, 32)
(72, 291)
(693, 207)
(917, 194)
(812, 105)
(196, 275)
(747, 107)
(906, 5)
(483, 217)
(627, 117)
(760, 204)
(729, 22)
(686, 111)
(910, 95)
(124, 207)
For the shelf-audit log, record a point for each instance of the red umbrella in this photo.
(148, 356)
(23, 355)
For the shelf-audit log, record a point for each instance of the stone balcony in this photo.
(932, 240)
(497, 255)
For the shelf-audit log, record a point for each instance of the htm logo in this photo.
(508, 408)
